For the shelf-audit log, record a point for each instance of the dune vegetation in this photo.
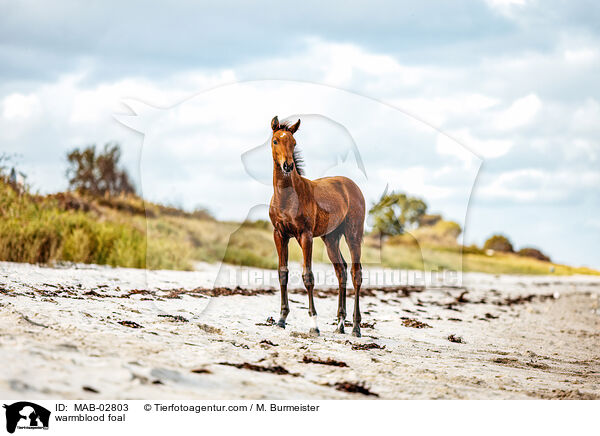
(125, 231)
(102, 220)
(37, 229)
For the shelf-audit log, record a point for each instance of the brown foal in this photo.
(305, 209)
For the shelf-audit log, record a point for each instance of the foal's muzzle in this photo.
(287, 167)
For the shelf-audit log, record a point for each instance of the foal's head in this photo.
(283, 145)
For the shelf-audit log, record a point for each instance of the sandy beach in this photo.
(84, 331)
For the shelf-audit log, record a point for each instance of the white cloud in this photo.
(532, 184)
(341, 63)
(508, 8)
(18, 106)
(520, 113)
(583, 150)
(486, 148)
(418, 180)
(581, 55)
(437, 110)
(586, 117)
(446, 146)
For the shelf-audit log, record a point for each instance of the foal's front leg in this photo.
(281, 242)
(306, 243)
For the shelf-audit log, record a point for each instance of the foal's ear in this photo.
(294, 127)
(275, 123)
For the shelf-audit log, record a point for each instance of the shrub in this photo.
(442, 234)
(533, 253)
(498, 243)
(428, 220)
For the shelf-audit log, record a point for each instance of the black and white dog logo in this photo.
(26, 415)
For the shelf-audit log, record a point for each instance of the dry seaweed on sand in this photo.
(280, 370)
(90, 389)
(302, 335)
(369, 291)
(136, 292)
(456, 339)
(201, 371)
(37, 324)
(210, 329)
(329, 361)
(411, 322)
(267, 342)
(174, 317)
(522, 299)
(369, 346)
(131, 324)
(269, 322)
(562, 394)
(353, 388)
(363, 325)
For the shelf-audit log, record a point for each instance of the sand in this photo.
(84, 331)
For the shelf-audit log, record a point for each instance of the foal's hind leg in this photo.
(355, 251)
(332, 242)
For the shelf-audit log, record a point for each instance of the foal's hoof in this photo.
(356, 332)
(314, 332)
(281, 323)
(340, 328)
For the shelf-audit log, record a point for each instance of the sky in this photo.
(489, 110)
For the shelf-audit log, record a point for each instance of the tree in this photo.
(394, 212)
(98, 173)
(498, 243)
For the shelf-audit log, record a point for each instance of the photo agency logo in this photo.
(24, 415)
(215, 149)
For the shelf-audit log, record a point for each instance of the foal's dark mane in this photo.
(298, 159)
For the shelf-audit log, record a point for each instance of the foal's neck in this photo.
(284, 186)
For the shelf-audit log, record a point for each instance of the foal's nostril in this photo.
(288, 167)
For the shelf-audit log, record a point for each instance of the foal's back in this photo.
(339, 201)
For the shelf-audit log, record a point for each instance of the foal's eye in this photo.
(274, 142)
